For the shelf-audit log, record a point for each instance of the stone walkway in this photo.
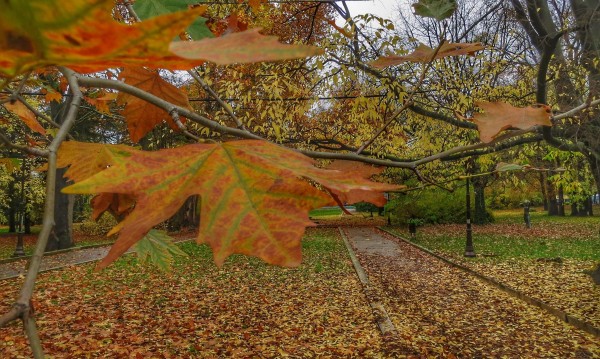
(441, 311)
(77, 256)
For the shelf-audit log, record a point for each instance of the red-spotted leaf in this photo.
(499, 116)
(254, 199)
(424, 54)
(242, 47)
(142, 116)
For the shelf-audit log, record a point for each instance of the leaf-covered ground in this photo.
(442, 312)
(245, 310)
(547, 262)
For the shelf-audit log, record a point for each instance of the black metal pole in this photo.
(469, 250)
(19, 250)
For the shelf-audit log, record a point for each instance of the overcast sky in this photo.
(381, 8)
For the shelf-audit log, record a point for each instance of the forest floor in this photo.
(250, 309)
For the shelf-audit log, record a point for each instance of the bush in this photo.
(429, 205)
(100, 228)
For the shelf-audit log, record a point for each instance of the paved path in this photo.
(441, 311)
(77, 256)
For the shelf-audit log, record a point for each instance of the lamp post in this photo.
(19, 250)
(469, 250)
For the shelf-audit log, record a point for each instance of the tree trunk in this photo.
(544, 190)
(62, 234)
(552, 202)
(561, 201)
(480, 215)
(574, 210)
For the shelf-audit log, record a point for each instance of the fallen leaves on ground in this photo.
(440, 311)
(563, 284)
(246, 309)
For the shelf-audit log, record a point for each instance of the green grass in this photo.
(324, 212)
(538, 215)
(551, 237)
(502, 247)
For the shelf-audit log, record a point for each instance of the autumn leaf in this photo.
(437, 9)
(26, 115)
(115, 203)
(255, 4)
(253, 198)
(90, 159)
(158, 248)
(101, 102)
(10, 163)
(357, 170)
(84, 36)
(340, 29)
(51, 95)
(142, 116)
(424, 54)
(499, 116)
(242, 47)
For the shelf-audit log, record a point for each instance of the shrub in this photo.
(429, 205)
(100, 228)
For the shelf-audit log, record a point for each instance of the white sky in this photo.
(381, 8)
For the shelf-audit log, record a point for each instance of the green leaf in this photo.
(437, 9)
(146, 9)
(158, 248)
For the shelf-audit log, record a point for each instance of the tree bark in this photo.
(561, 201)
(544, 190)
(62, 233)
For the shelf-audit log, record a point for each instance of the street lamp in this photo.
(469, 250)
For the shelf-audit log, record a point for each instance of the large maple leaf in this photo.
(499, 116)
(254, 199)
(424, 54)
(142, 116)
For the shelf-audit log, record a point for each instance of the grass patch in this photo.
(550, 237)
(325, 212)
(504, 247)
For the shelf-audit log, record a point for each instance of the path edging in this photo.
(560, 314)
(384, 323)
(59, 251)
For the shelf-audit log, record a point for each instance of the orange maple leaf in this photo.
(142, 116)
(499, 116)
(26, 115)
(242, 47)
(424, 54)
(115, 203)
(253, 198)
(84, 36)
